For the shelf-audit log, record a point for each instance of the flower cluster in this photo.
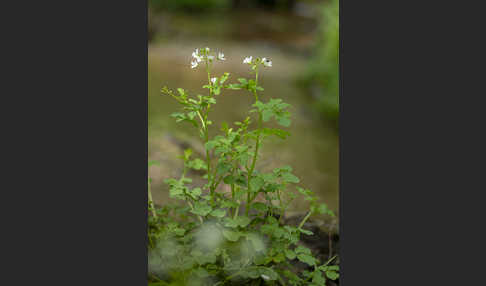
(249, 60)
(200, 55)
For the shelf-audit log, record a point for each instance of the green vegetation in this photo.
(229, 231)
(324, 69)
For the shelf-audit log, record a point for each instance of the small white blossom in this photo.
(265, 277)
(213, 80)
(193, 64)
(247, 60)
(267, 62)
(221, 56)
(207, 50)
(196, 56)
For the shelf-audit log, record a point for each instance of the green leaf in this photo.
(267, 115)
(279, 258)
(205, 258)
(256, 183)
(229, 180)
(307, 232)
(218, 213)
(187, 153)
(243, 221)
(211, 144)
(284, 121)
(229, 204)
(260, 206)
(153, 162)
(200, 272)
(288, 177)
(329, 267)
(179, 231)
(231, 235)
(318, 279)
(176, 192)
(290, 254)
(303, 250)
(222, 168)
(306, 259)
(254, 272)
(201, 208)
(229, 222)
(333, 275)
(197, 164)
(195, 193)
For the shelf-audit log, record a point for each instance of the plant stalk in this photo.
(151, 202)
(257, 146)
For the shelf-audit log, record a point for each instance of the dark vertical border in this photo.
(74, 201)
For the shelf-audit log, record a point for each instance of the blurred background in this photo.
(301, 37)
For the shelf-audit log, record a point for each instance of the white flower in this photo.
(207, 50)
(213, 80)
(193, 64)
(196, 56)
(267, 62)
(221, 56)
(265, 277)
(247, 60)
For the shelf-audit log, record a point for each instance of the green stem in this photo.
(206, 135)
(257, 146)
(305, 219)
(329, 261)
(236, 212)
(151, 202)
(192, 208)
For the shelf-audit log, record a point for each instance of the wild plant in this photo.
(238, 236)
